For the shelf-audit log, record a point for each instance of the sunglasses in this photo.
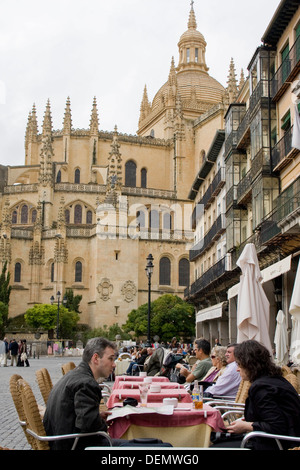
(212, 357)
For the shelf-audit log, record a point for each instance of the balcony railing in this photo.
(213, 273)
(214, 188)
(218, 227)
(243, 132)
(244, 187)
(283, 152)
(261, 91)
(286, 72)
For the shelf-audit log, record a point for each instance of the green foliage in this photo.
(170, 316)
(73, 302)
(107, 332)
(44, 316)
(5, 288)
(3, 318)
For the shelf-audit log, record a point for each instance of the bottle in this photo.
(197, 396)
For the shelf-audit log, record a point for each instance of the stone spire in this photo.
(192, 24)
(114, 175)
(145, 108)
(67, 124)
(94, 122)
(47, 153)
(232, 88)
(242, 80)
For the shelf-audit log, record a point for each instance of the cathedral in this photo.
(89, 206)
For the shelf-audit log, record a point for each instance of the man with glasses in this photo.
(203, 364)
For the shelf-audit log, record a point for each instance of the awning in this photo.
(210, 313)
(277, 269)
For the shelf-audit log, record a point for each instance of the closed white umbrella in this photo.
(281, 339)
(295, 312)
(253, 310)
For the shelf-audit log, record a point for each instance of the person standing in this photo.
(14, 348)
(6, 352)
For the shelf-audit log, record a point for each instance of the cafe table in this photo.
(184, 427)
(137, 378)
(135, 385)
(118, 395)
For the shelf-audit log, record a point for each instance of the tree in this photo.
(170, 316)
(5, 288)
(3, 318)
(72, 302)
(44, 316)
(109, 333)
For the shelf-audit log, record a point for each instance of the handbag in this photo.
(23, 357)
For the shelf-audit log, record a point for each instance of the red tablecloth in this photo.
(119, 394)
(133, 385)
(137, 378)
(191, 417)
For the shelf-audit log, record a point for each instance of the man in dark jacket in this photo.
(73, 404)
(14, 349)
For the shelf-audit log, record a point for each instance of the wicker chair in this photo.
(44, 382)
(292, 378)
(34, 423)
(17, 399)
(67, 367)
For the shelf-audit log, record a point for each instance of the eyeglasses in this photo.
(212, 357)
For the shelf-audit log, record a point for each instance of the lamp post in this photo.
(58, 294)
(149, 271)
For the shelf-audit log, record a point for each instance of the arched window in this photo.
(14, 217)
(154, 219)
(78, 214)
(167, 221)
(24, 214)
(78, 271)
(143, 178)
(89, 217)
(130, 174)
(184, 272)
(165, 271)
(58, 177)
(140, 218)
(52, 272)
(18, 272)
(33, 215)
(67, 216)
(77, 176)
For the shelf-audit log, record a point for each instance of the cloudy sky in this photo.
(109, 49)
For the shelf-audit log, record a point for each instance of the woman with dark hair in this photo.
(273, 404)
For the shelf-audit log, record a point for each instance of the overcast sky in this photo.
(109, 49)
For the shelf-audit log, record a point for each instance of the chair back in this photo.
(242, 392)
(17, 399)
(67, 367)
(32, 414)
(125, 356)
(44, 382)
(293, 380)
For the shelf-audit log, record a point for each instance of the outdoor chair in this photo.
(275, 437)
(34, 424)
(44, 382)
(67, 367)
(17, 399)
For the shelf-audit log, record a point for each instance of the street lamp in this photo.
(149, 271)
(58, 294)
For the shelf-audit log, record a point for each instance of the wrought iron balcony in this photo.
(214, 188)
(218, 227)
(287, 72)
(283, 152)
(244, 188)
(260, 92)
(211, 275)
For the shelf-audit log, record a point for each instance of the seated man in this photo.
(203, 364)
(228, 383)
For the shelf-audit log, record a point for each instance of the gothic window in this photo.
(18, 272)
(52, 272)
(33, 216)
(24, 214)
(144, 178)
(89, 217)
(184, 272)
(167, 221)
(154, 219)
(140, 216)
(78, 214)
(165, 271)
(130, 174)
(78, 271)
(77, 176)
(58, 177)
(14, 218)
(67, 216)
